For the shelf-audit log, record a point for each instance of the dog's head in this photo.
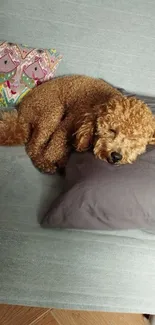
(121, 130)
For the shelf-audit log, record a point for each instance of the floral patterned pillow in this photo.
(22, 68)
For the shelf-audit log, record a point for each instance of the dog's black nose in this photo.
(116, 156)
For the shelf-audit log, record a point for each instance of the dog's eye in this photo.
(113, 131)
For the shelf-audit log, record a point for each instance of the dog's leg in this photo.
(55, 153)
(45, 127)
(58, 149)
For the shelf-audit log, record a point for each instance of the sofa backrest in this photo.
(112, 39)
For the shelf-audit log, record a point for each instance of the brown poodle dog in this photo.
(80, 111)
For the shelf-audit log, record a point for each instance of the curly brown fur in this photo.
(82, 111)
(125, 126)
(12, 132)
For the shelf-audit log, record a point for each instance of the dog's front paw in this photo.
(82, 144)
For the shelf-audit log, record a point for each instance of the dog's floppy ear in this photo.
(85, 132)
(86, 127)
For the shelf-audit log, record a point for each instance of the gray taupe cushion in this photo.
(101, 196)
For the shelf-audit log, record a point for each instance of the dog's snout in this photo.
(116, 156)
